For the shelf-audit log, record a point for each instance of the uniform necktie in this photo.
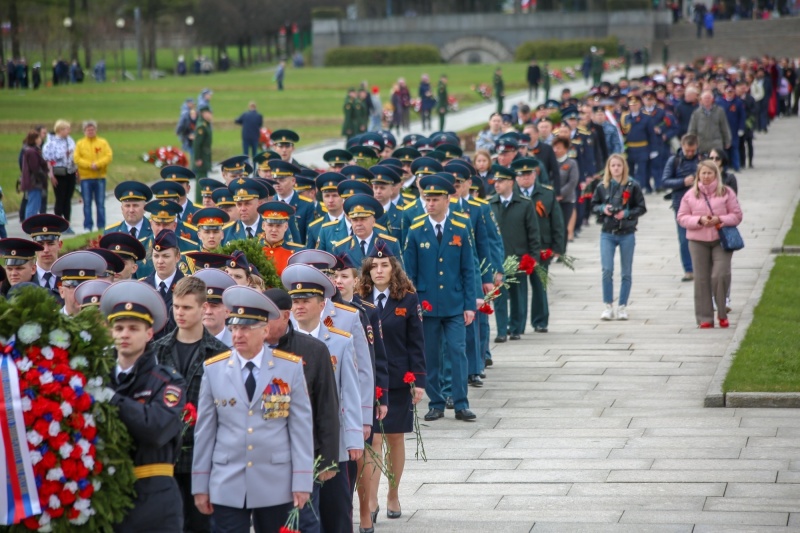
(46, 279)
(505, 204)
(351, 231)
(250, 382)
(439, 233)
(364, 248)
(133, 232)
(162, 288)
(249, 233)
(381, 298)
(528, 193)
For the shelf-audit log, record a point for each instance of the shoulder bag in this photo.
(729, 237)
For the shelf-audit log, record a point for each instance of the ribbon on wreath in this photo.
(19, 497)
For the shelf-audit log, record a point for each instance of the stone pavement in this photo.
(312, 155)
(600, 426)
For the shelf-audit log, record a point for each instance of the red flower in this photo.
(545, 255)
(426, 306)
(87, 491)
(83, 402)
(285, 529)
(55, 513)
(190, 414)
(32, 523)
(378, 393)
(486, 308)
(49, 460)
(59, 440)
(409, 378)
(626, 195)
(527, 264)
(67, 497)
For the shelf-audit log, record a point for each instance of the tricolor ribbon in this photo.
(19, 498)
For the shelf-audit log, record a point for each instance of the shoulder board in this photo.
(473, 202)
(198, 206)
(407, 206)
(408, 195)
(304, 199)
(387, 237)
(582, 129)
(229, 224)
(380, 226)
(340, 332)
(453, 200)
(481, 201)
(345, 307)
(523, 197)
(294, 245)
(417, 225)
(548, 187)
(217, 358)
(342, 241)
(420, 217)
(316, 221)
(458, 224)
(112, 226)
(460, 214)
(190, 241)
(329, 223)
(366, 303)
(168, 372)
(280, 354)
(187, 225)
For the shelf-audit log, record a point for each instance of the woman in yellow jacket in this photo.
(92, 157)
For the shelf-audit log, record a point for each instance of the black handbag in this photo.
(60, 172)
(729, 237)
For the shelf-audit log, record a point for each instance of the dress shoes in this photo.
(540, 330)
(706, 325)
(465, 414)
(488, 363)
(723, 323)
(482, 375)
(514, 337)
(448, 403)
(475, 381)
(393, 514)
(434, 414)
(500, 339)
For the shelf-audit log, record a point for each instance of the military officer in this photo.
(424, 166)
(357, 173)
(46, 230)
(164, 216)
(284, 175)
(247, 193)
(499, 88)
(658, 118)
(71, 270)
(150, 398)
(335, 231)
(166, 271)
(210, 221)
(207, 188)
(442, 100)
(255, 412)
(337, 159)
(308, 288)
(552, 233)
(363, 210)
(261, 162)
(172, 191)
(275, 218)
(386, 177)
(439, 260)
(284, 142)
(88, 293)
(236, 167)
(182, 176)
(114, 263)
(133, 196)
(519, 226)
(215, 313)
(19, 257)
(639, 133)
(201, 146)
(223, 199)
(129, 249)
(327, 183)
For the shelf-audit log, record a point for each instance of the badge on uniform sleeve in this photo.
(419, 311)
(370, 335)
(333, 362)
(172, 395)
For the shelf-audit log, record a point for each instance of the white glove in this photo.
(741, 133)
(653, 155)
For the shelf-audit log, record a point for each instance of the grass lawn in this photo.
(793, 236)
(767, 360)
(139, 116)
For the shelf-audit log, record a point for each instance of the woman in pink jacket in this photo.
(707, 207)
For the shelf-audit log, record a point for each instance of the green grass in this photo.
(793, 237)
(139, 116)
(767, 359)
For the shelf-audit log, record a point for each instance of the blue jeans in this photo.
(608, 244)
(34, 202)
(686, 257)
(94, 190)
(250, 147)
(733, 155)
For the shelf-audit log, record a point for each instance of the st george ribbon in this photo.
(19, 497)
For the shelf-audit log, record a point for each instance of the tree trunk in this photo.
(151, 45)
(13, 17)
(87, 43)
(249, 51)
(73, 40)
(240, 45)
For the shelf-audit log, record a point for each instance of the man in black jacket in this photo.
(684, 110)
(534, 78)
(544, 153)
(679, 175)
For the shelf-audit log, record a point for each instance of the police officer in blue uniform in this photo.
(658, 118)
(439, 260)
(639, 134)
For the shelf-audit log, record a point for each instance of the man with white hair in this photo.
(710, 125)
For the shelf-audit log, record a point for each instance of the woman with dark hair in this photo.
(34, 173)
(720, 157)
(384, 284)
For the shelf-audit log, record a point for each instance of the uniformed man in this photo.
(306, 187)
(308, 288)
(424, 166)
(439, 260)
(223, 199)
(552, 233)
(284, 142)
(133, 196)
(150, 398)
(337, 158)
(638, 130)
(73, 269)
(46, 230)
(348, 124)
(658, 118)
(327, 183)
(499, 88)
(406, 190)
(207, 188)
(171, 191)
(442, 100)
(19, 257)
(284, 175)
(114, 263)
(389, 144)
(386, 177)
(449, 152)
(88, 293)
(236, 167)
(255, 411)
(335, 231)
(201, 146)
(129, 249)
(209, 222)
(519, 225)
(275, 217)
(166, 273)
(362, 211)
(183, 177)
(247, 193)
(164, 216)
(214, 313)
(185, 349)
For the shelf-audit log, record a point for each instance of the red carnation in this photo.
(34, 352)
(546, 255)
(426, 306)
(486, 308)
(41, 427)
(527, 264)
(378, 393)
(59, 354)
(409, 378)
(48, 488)
(76, 421)
(89, 433)
(73, 513)
(87, 491)
(285, 529)
(70, 469)
(49, 460)
(190, 414)
(68, 394)
(55, 513)
(32, 523)
(83, 402)
(77, 453)
(67, 497)
(82, 472)
(98, 467)
(58, 441)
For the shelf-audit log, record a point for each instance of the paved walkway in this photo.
(312, 155)
(600, 426)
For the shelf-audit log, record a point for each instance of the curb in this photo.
(788, 250)
(715, 396)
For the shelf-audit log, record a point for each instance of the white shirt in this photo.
(120, 371)
(409, 182)
(504, 199)
(433, 222)
(253, 227)
(288, 199)
(40, 272)
(367, 240)
(256, 361)
(396, 200)
(376, 293)
(167, 282)
(137, 226)
(314, 332)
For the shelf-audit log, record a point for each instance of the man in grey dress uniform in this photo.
(253, 459)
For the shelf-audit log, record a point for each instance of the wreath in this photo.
(166, 155)
(74, 447)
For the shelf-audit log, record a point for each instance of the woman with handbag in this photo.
(59, 152)
(34, 173)
(710, 213)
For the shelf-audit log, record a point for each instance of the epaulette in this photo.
(191, 227)
(473, 202)
(460, 214)
(280, 354)
(417, 225)
(387, 237)
(112, 226)
(303, 198)
(408, 195)
(198, 206)
(190, 241)
(480, 200)
(581, 129)
(340, 332)
(523, 197)
(407, 206)
(217, 358)
(548, 187)
(380, 226)
(453, 200)
(331, 223)
(316, 221)
(345, 307)
(294, 245)
(458, 224)
(420, 217)
(229, 224)
(342, 241)
(368, 304)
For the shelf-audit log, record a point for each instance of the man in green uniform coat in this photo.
(597, 66)
(361, 112)
(546, 82)
(531, 178)
(201, 147)
(348, 126)
(499, 89)
(441, 100)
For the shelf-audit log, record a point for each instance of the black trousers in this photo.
(265, 519)
(156, 508)
(64, 189)
(193, 520)
(336, 501)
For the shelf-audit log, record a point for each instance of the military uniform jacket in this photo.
(123, 227)
(201, 147)
(638, 131)
(151, 280)
(193, 374)
(346, 318)
(331, 232)
(237, 232)
(492, 231)
(352, 246)
(303, 214)
(519, 225)
(552, 231)
(313, 230)
(185, 265)
(280, 253)
(411, 210)
(150, 400)
(584, 145)
(392, 220)
(371, 322)
(241, 456)
(481, 244)
(321, 385)
(444, 274)
(658, 117)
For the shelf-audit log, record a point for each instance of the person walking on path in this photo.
(679, 175)
(35, 173)
(442, 100)
(499, 89)
(427, 102)
(201, 146)
(534, 79)
(251, 122)
(710, 125)
(92, 157)
(706, 208)
(280, 72)
(618, 203)
(405, 101)
(59, 152)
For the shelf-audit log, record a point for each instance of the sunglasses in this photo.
(717, 158)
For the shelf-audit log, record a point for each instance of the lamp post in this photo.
(189, 24)
(121, 26)
(68, 26)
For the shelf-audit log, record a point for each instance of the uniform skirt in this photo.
(400, 418)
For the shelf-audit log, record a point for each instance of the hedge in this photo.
(407, 54)
(327, 13)
(566, 49)
(628, 5)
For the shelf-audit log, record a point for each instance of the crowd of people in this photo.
(382, 271)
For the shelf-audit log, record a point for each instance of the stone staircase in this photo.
(751, 38)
